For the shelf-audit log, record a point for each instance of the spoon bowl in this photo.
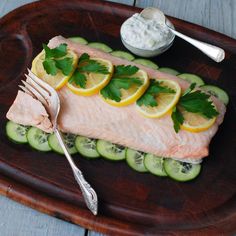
(153, 13)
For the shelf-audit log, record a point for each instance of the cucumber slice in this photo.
(38, 139)
(181, 171)
(16, 132)
(102, 46)
(110, 150)
(217, 92)
(191, 78)
(123, 55)
(87, 147)
(154, 164)
(146, 62)
(135, 160)
(169, 70)
(69, 140)
(79, 40)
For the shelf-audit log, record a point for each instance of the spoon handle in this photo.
(215, 53)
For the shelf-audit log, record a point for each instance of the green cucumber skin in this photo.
(146, 171)
(81, 152)
(101, 46)
(192, 78)
(151, 171)
(52, 147)
(105, 157)
(183, 181)
(217, 92)
(7, 127)
(130, 165)
(51, 141)
(147, 63)
(48, 149)
(177, 179)
(112, 160)
(169, 71)
(87, 157)
(78, 39)
(37, 150)
(123, 55)
(16, 142)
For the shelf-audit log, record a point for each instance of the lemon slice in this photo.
(95, 81)
(56, 81)
(194, 122)
(165, 101)
(132, 94)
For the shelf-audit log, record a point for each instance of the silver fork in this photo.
(50, 99)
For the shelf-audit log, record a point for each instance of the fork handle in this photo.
(88, 192)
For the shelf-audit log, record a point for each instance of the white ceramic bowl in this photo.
(154, 52)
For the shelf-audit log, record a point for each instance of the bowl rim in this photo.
(156, 49)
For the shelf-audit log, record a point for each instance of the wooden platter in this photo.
(130, 203)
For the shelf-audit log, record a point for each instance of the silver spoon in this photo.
(215, 53)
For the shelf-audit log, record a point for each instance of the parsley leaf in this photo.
(65, 65)
(195, 102)
(122, 70)
(112, 90)
(86, 65)
(177, 118)
(78, 79)
(50, 66)
(59, 51)
(120, 80)
(147, 100)
(83, 57)
(52, 61)
(198, 102)
(155, 88)
(189, 89)
(94, 67)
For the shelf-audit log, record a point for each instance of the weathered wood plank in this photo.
(92, 233)
(2, 5)
(9, 5)
(15, 217)
(214, 14)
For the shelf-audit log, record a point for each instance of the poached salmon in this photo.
(92, 117)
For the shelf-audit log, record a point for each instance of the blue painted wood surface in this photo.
(220, 15)
(18, 220)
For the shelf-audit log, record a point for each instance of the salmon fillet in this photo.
(26, 110)
(92, 117)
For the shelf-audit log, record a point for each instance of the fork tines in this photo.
(36, 87)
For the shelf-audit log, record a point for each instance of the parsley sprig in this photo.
(121, 80)
(85, 64)
(55, 60)
(177, 118)
(154, 89)
(195, 102)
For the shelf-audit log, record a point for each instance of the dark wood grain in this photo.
(129, 202)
